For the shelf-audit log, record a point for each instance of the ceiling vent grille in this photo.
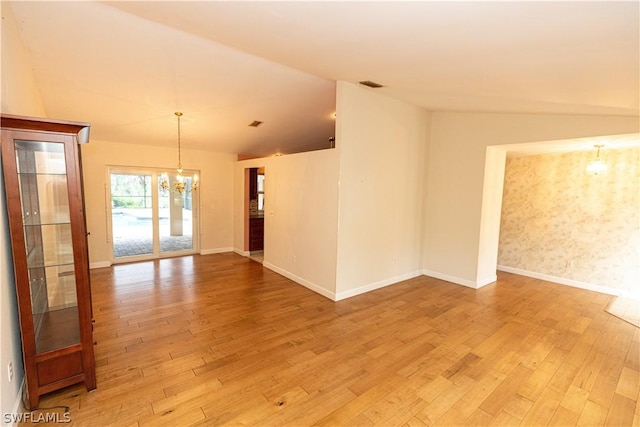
(255, 123)
(371, 84)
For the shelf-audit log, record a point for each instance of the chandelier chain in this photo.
(599, 146)
(179, 114)
(180, 183)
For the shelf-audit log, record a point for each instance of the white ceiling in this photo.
(608, 142)
(125, 67)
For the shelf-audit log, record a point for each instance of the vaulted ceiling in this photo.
(126, 67)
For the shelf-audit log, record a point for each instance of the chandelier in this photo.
(597, 165)
(179, 184)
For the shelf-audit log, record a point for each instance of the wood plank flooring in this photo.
(219, 340)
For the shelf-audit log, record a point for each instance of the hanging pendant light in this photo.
(179, 185)
(597, 165)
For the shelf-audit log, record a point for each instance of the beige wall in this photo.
(20, 96)
(561, 221)
(301, 205)
(215, 192)
(456, 176)
(382, 144)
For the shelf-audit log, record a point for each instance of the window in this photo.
(261, 192)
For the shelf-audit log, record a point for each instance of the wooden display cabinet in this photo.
(43, 183)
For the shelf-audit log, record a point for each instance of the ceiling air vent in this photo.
(255, 123)
(369, 83)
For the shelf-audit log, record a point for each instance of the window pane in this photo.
(260, 201)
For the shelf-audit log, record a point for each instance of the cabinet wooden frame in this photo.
(52, 366)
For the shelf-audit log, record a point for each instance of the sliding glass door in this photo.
(147, 222)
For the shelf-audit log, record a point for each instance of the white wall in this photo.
(300, 224)
(456, 174)
(215, 191)
(20, 96)
(346, 221)
(9, 324)
(490, 215)
(383, 147)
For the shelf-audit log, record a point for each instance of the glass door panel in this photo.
(131, 214)
(176, 218)
(44, 200)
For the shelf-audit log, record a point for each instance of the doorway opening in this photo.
(146, 222)
(254, 213)
(552, 225)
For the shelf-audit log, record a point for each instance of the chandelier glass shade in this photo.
(180, 183)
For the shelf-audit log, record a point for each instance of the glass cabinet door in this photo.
(42, 177)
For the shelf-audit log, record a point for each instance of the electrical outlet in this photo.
(10, 371)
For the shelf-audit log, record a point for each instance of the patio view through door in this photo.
(147, 222)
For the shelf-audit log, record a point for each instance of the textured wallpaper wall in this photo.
(559, 220)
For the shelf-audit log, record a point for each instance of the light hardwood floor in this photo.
(218, 339)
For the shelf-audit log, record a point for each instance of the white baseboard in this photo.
(567, 282)
(487, 281)
(100, 264)
(17, 406)
(376, 285)
(456, 280)
(315, 288)
(242, 253)
(215, 251)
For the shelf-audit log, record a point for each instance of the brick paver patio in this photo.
(132, 234)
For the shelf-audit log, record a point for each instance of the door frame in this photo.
(155, 215)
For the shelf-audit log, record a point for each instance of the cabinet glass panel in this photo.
(48, 244)
(51, 206)
(47, 232)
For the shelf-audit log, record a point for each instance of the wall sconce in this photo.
(596, 165)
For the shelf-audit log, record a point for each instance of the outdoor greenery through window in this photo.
(130, 191)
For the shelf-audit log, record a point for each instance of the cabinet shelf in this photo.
(41, 174)
(48, 222)
(32, 265)
(57, 329)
